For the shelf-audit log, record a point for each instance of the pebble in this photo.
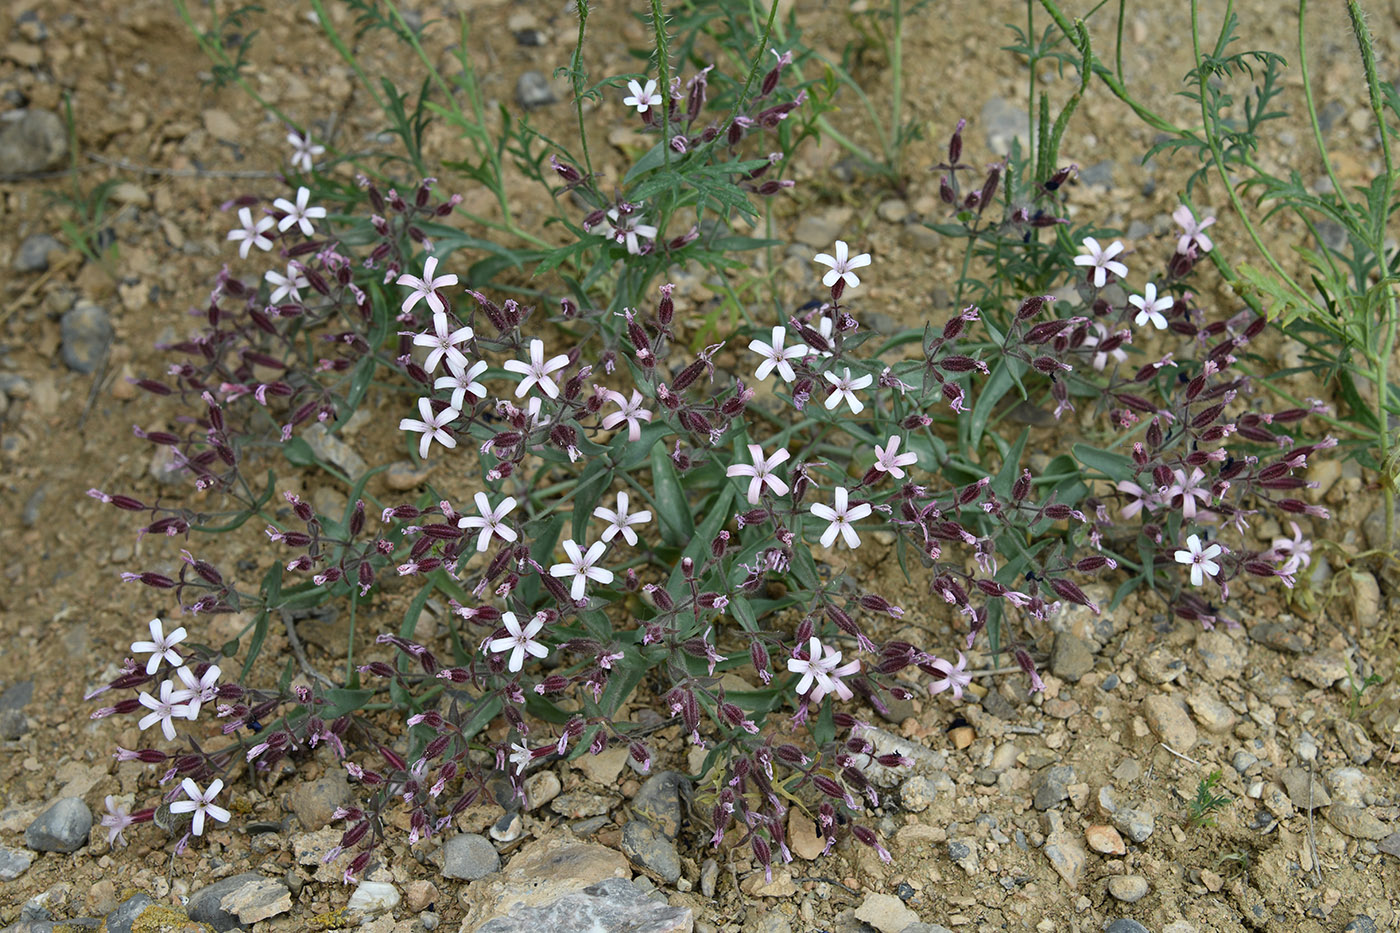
(508, 828)
(1356, 822)
(610, 904)
(820, 230)
(258, 899)
(1373, 527)
(63, 827)
(1351, 736)
(1166, 717)
(604, 767)
(87, 331)
(1295, 781)
(1137, 825)
(886, 913)
(540, 788)
(1349, 785)
(803, 839)
(1222, 655)
(404, 475)
(469, 856)
(13, 722)
(577, 804)
(1360, 924)
(205, 905)
(1105, 840)
(32, 140)
(920, 791)
(1124, 925)
(34, 252)
(893, 211)
(314, 802)
(1100, 174)
(331, 449)
(1365, 599)
(1053, 786)
(373, 897)
(419, 895)
(1161, 665)
(1320, 670)
(534, 90)
(1213, 715)
(651, 850)
(1071, 658)
(13, 863)
(659, 802)
(1243, 761)
(758, 885)
(1004, 122)
(121, 919)
(1128, 888)
(963, 853)
(1067, 857)
(709, 874)
(1275, 636)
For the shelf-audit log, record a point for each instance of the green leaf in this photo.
(677, 525)
(546, 537)
(1010, 466)
(998, 384)
(586, 495)
(299, 453)
(654, 157)
(1114, 466)
(255, 646)
(344, 700)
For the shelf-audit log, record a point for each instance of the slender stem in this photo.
(663, 74)
(577, 74)
(1312, 111)
(892, 155)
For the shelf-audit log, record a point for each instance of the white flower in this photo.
(200, 803)
(426, 287)
(444, 342)
(810, 669)
(433, 427)
(289, 284)
(845, 388)
(1101, 357)
(950, 677)
(821, 673)
(163, 710)
(1295, 552)
(888, 461)
(619, 522)
(841, 518)
(116, 819)
(304, 151)
(251, 233)
(160, 646)
(761, 472)
(491, 521)
(520, 641)
(1150, 307)
(624, 228)
(197, 690)
(1200, 559)
(581, 567)
(1102, 260)
(1191, 230)
(298, 214)
(537, 371)
(841, 265)
(462, 381)
(775, 355)
(631, 412)
(643, 98)
(519, 756)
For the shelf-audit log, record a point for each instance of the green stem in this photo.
(894, 150)
(663, 75)
(576, 67)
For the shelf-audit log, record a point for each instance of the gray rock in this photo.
(1072, 657)
(1349, 785)
(1360, 924)
(1053, 786)
(314, 802)
(1003, 122)
(1124, 925)
(331, 449)
(659, 802)
(925, 928)
(611, 904)
(13, 722)
(650, 849)
(769, 922)
(205, 905)
(1275, 636)
(1137, 825)
(1295, 781)
(121, 919)
(530, 38)
(1100, 174)
(1356, 822)
(709, 874)
(13, 863)
(1161, 665)
(404, 475)
(34, 251)
(1320, 670)
(508, 828)
(1373, 527)
(819, 229)
(32, 140)
(87, 331)
(534, 90)
(1351, 736)
(963, 853)
(1223, 655)
(258, 899)
(469, 856)
(63, 827)
(920, 791)
(1243, 761)
(1213, 714)
(1128, 888)
(1068, 858)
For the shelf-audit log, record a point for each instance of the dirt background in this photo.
(975, 857)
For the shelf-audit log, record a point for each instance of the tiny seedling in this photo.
(1200, 811)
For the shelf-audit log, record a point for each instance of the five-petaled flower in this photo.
(775, 355)
(162, 710)
(304, 151)
(620, 522)
(490, 521)
(250, 233)
(1295, 552)
(1190, 489)
(761, 472)
(433, 427)
(582, 567)
(1191, 230)
(624, 228)
(520, 641)
(1102, 260)
(889, 460)
(519, 756)
(426, 287)
(160, 646)
(1101, 357)
(116, 819)
(842, 265)
(643, 98)
(298, 214)
(950, 677)
(844, 387)
(822, 671)
(631, 412)
(443, 341)
(201, 803)
(197, 690)
(288, 285)
(1150, 307)
(1200, 559)
(841, 518)
(1138, 499)
(537, 371)
(462, 381)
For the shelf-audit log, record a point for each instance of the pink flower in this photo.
(432, 427)
(643, 98)
(116, 819)
(161, 646)
(887, 460)
(1150, 307)
(443, 341)
(1190, 489)
(620, 522)
(426, 287)
(251, 234)
(842, 265)
(631, 411)
(775, 355)
(582, 567)
(1191, 231)
(841, 517)
(491, 521)
(950, 677)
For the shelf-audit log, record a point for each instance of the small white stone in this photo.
(372, 897)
